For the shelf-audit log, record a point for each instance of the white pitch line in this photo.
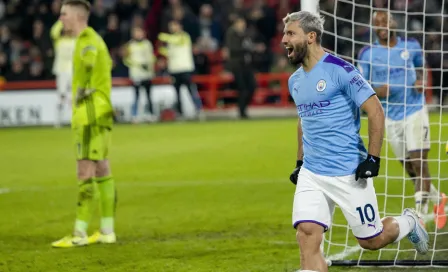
(351, 250)
(4, 190)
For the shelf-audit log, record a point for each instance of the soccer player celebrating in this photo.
(64, 45)
(92, 121)
(394, 67)
(333, 166)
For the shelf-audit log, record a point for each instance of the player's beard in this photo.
(300, 51)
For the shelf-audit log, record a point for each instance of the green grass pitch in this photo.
(211, 196)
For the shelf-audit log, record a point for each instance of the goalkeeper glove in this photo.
(368, 168)
(295, 174)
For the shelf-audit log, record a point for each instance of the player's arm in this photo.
(375, 116)
(55, 31)
(299, 162)
(362, 94)
(173, 38)
(88, 57)
(419, 61)
(299, 140)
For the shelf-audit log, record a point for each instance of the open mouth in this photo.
(290, 51)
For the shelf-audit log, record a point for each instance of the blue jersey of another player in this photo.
(328, 99)
(394, 66)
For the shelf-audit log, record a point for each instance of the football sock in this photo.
(434, 194)
(406, 224)
(421, 202)
(87, 193)
(106, 186)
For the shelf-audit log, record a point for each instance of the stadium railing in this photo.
(214, 88)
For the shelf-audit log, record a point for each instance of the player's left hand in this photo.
(368, 168)
(419, 85)
(295, 174)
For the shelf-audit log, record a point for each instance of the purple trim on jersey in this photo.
(414, 150)
(311, 221)
(370, 237)
(339, 62)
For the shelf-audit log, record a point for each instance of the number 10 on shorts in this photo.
(366, 213)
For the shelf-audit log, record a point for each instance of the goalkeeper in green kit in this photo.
(92, 121)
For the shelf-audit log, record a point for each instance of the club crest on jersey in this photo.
(321, 85)
(404, 54)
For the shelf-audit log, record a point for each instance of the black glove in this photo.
(295, 174)
(368, 168)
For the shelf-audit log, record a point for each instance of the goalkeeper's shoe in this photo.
(100, 238)
(418, 236)
(70, 241)
(439, 212)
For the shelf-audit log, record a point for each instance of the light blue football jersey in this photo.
(328, 101)
(394, 66)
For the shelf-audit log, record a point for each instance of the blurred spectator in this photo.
(140, 60)
(2, 9)
(175, 10)
(113, 36)
(4, 64)
(98, 17)
(5, 38)
(41, 38)
(179, 52)
(210, 29)
(239, 46)
(18, 72)
(263, 17)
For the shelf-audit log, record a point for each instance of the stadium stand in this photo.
(26, 49)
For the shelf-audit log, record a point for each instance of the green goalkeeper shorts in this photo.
(92, 142)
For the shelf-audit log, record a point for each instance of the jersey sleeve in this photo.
(355, 86)
(364, 62)
(87, 60)
(89, 52)
(417, 54)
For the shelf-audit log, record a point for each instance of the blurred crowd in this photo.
(27, 51)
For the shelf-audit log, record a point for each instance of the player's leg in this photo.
(312, 214)
(87, 189)
(177, 82)
(63, 83)
(136, 86)
(106, 187)
(358, 202)
(418, 143)
(147, 84)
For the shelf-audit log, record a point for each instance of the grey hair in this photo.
(308, 21)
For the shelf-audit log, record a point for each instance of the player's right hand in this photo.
(295, 174)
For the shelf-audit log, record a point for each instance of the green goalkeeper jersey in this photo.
(92, 68)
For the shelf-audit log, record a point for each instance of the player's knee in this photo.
(102, 169)
(309, 234)
(86, 170)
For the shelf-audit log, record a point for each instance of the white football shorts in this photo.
(316, 196)
(410, 134)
